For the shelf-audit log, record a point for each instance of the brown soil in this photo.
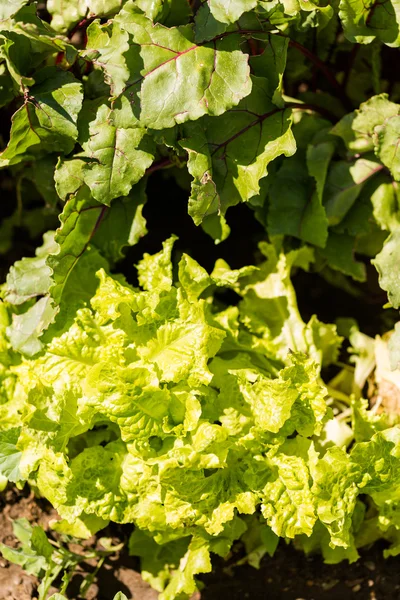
(289, 575)
(119, 573)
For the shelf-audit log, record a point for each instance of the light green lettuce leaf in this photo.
(366, 423)
(335, 490)
(155, 272)
(17, 459)
(269, 308)
(195, 561)
(84, 344)
(130, 397)
(288, 504)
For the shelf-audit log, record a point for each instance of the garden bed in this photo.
(289, 575)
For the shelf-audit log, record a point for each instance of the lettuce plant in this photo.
(198, 419)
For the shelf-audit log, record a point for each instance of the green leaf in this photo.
(42, 175)
(68, 175)
(386, 205)
(122, 225)
(79, 220)
(26, 328)
(335, 489)
(229, 12)
(46, 122)
(63, 17)
(40, 543)
(318, 158)
(155, 271)
(148, 406)
(387, 144)
(178, 351)
(271, 64)
(110, 43)
(206, 25)
(222, 161)
(26, 557)
(387, 264)
(10, 455)
(181, 80)
(357, 128)
(83, 527)
(156, 560)
(103, 8)
(30, 277)
(118, 157)
(269, 306)
(16, 51)
(22, 530)
(8, 8)
(344, 184)
(339, 252)
(288, 505)
(294, 206)
(196, 560)
(363, 21)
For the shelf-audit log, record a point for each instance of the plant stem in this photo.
(314, 107)
(329, 75)
(157, 166)
(350, 64)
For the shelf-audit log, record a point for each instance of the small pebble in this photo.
(328, 585)
(370, 565)
(370, 582)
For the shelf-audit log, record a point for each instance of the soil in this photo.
(289, 575)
